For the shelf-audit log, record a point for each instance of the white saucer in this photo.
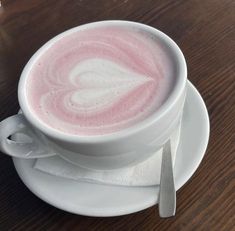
(107, 200)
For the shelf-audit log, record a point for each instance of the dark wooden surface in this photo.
(204, 29)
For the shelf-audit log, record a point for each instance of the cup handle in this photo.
(18, 140)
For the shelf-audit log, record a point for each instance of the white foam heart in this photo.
(101, 83)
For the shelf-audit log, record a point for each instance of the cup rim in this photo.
(151, 119)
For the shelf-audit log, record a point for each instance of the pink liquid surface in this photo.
(100, 80)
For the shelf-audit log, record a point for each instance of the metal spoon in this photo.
(167, 193)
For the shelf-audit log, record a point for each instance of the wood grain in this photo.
(205, 32)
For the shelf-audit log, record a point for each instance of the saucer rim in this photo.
(96, 212)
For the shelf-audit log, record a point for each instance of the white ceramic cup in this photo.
(116, 150)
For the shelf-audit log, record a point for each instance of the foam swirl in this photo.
(99, 81)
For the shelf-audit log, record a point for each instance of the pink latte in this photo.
(100, 80)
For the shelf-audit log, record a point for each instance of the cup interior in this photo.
(179, 85)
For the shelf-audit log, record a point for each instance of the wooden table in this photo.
(205, 32)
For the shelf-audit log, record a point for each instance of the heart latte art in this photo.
(100, 80)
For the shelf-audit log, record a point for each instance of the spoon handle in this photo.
(167, 193)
